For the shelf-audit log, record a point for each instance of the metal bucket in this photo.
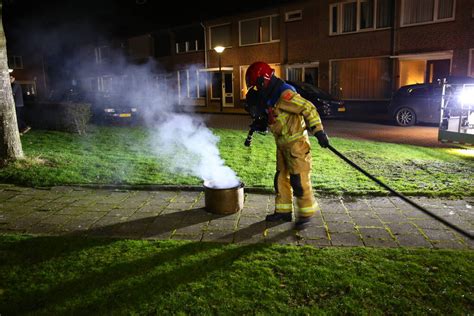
(224, 201)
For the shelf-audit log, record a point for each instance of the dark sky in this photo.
(114, 16)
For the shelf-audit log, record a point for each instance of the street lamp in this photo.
(219, 50)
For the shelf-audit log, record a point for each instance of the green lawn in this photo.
(87, 276)
(122, 155)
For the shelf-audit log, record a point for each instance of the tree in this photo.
(10, 143)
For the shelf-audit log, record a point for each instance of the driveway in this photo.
(384, 132)
(377, 131)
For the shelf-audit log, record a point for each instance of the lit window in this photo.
(426, 11)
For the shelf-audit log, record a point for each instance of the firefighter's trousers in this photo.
(293, 178)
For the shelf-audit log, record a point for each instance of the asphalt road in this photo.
(380, 130)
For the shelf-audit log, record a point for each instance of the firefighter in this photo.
(290, 118)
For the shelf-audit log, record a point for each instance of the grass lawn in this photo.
(123, 156)
(77, 275)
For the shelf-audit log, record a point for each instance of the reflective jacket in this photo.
(292, 116)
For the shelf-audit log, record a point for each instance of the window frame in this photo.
(435, 15)
(188, 87)
(270, 17)
(470, 63)
(287, 15)
(340, 20)
(218, 25)
(13, 59)
(186, 45)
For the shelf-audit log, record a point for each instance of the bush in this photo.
(67, 117)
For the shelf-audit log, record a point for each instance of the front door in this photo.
(228, 88)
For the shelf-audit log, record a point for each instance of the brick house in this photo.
(358, 50)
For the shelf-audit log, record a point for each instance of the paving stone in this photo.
(380, 203)
(20, 198)
(341, 227)
(357, 206)
(319, 243)
(410, 240)
(56, 219)
(368, 222)
(121, 212)
(180, 215)
(71, 211)
(179, 206)
(451, 244)
(194, 229)
(346, 239)
(377, 242)
(402, 228)
(313, 232)
(431, 224)
(387, 211)
(340, 218)
(435, 234)
(374, 233)
(392, 218)
(222, 225)
(187, 197)
(219, 236)
(187, 237)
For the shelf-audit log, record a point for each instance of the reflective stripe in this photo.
(284, 206)
(310, 209)
(284, 139)
(314, 121)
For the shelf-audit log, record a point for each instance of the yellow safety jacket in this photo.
(293, 115)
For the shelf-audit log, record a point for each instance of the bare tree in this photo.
(10, 143)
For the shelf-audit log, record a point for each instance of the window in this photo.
(426, 11)
(102, 54)
(361, 79)
(15, 62)
(260, 30)
(293, 16)
(221, 36)
(187, 46)
(192, 84)
(305, 73)
(359, 15)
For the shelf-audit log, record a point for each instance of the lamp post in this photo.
(219, 50)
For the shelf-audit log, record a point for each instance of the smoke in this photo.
(190, 148)
(178, 137)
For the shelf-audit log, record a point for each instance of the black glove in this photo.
(323, 139)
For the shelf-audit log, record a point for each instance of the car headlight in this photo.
(466, 97)
(134, 109)
(109, 110)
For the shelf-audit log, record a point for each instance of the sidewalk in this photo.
(371, 222)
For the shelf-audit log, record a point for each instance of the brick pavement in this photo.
(370, 222)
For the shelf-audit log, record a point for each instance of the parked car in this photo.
(327, 105)
(421, 103)
(109, 109)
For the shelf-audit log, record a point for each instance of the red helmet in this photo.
(258, 75)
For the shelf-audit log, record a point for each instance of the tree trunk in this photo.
(10, 144)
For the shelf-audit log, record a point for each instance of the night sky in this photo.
(112, 17)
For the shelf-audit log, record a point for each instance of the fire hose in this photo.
(401, 196)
